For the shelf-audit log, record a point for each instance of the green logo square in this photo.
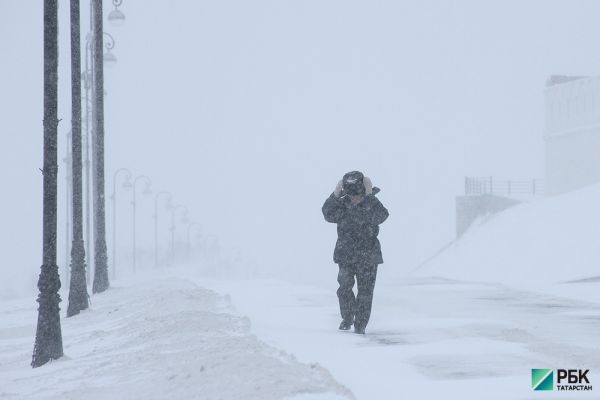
(542, 379)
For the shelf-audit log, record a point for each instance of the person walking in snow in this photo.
(358, 214)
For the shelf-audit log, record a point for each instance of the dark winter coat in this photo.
(357, 227)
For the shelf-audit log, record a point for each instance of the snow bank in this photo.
(549, 240)
(158, 340)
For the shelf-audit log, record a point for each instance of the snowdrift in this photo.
(545, 241)
(159, 339)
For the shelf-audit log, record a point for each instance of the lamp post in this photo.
(189, 239)
(156, 198)
(88, 85)
(184, 217)
(68, 175)
(113, 197)
(87, 142)
(108, 57)
(93, 77)
(147, 191)
(78, 296)
(48, 337)
(101, 282)
(116, 16)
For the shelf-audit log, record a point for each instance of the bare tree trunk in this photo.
(78, 296)
(100, 257)
(48, 339)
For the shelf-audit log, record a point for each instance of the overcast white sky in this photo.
(250, 111)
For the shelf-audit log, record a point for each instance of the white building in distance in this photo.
(572, 133)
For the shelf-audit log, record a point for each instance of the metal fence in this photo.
(476, 186)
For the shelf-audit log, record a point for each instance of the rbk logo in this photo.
(542, 379)
(567, 379)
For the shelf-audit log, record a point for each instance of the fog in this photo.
(249, 112)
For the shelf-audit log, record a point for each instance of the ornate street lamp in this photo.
(78, 295)
(184, 219)
(156, 198)
(48, 337)
(189, 238)
(101, 282)
(87, 144)
(93, 78)
(113, 197)
(109, 58)
(68, 179)
(147, 191)
(116, 16)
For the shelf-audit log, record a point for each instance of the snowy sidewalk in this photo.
(161, 339)
(428, 338)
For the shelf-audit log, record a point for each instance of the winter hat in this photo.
(353, 182)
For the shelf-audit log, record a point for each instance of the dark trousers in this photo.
(357, 309)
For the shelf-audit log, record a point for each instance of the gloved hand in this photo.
(368, 185)
(338, 189)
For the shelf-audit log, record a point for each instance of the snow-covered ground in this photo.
(535, 244)
(428, 338)
(518, 291)
(167, 337)
(158, 339)
(515, 293)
